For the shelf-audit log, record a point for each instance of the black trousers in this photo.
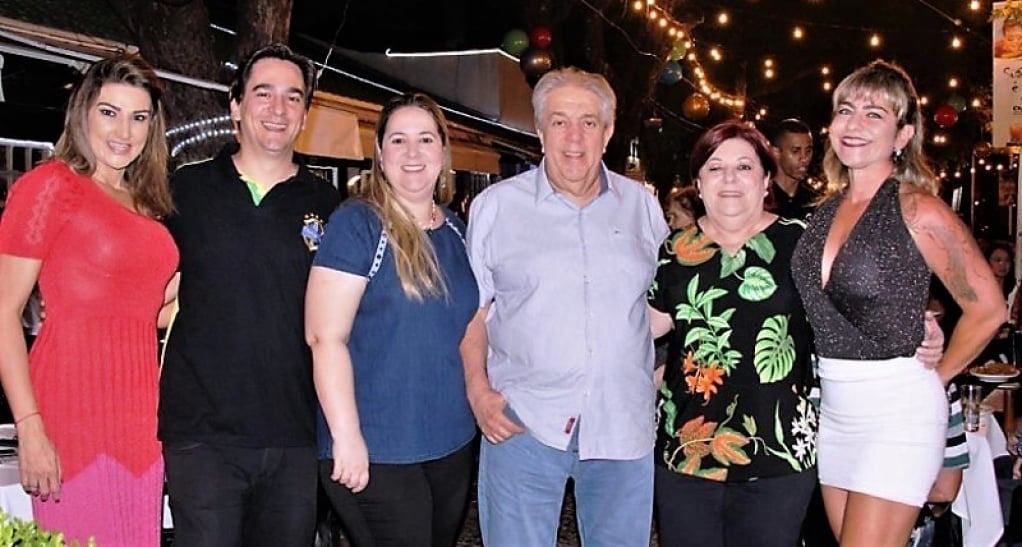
(816, 530)
(406, 505)
(707, 513)
(226, 496)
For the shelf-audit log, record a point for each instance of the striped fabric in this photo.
(956, 453)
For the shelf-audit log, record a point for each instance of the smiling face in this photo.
(732, 181)
(573, 135)
(118, 127)
(271, 111)
(864, 133)
(412, 153)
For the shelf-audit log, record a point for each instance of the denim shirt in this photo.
(409, 377)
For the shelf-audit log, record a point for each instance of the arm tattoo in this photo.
(952, 240)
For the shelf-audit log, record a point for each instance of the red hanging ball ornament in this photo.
(945, 115)
(540, 37)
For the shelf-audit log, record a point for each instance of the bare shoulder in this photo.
(923, 210)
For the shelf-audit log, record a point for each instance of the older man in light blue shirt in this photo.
(559, 358)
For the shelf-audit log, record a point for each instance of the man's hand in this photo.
(488, 408)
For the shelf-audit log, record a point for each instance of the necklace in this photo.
(434, 218)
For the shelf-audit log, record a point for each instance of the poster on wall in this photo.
(1007, 84)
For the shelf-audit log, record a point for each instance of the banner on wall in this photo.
(1007, 84)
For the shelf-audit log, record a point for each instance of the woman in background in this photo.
(85, 225)
(683, 207)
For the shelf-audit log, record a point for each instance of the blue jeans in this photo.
(521, 487)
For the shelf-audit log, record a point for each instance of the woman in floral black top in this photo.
(736, 442)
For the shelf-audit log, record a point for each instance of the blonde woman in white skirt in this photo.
(863, 268)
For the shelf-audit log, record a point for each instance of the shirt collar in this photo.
(544, 190)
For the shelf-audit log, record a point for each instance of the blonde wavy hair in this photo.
(890, 84)
(417, 266)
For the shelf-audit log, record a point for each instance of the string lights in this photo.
(684, 44)
(686, 50)
(204, 129)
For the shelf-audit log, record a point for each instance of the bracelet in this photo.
(25, 417)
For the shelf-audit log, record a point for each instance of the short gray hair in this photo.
(571, 76)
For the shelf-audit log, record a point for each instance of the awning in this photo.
(342, 127)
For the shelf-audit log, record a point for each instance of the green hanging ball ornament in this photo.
(957, 102)
(516, 41)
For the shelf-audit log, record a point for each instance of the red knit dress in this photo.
(94, 365)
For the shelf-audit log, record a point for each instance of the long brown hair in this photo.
(146, 177)
(416, 261)
(890, 83)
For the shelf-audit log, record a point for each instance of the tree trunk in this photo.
(175, 36)
(260, 23)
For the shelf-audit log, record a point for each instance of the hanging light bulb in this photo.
(874, 41)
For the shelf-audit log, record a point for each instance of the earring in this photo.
(897, 157)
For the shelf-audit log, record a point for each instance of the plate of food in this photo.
(995, 372)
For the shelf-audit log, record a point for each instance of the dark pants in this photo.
(816, 530)
(408, 505)
(226, 496)
(761, 513)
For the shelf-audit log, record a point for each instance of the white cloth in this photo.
(883, 427)
(13, 499)
(977, 502)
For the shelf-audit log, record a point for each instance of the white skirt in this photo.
(883, 427)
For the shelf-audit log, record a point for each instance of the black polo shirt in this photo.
(237, 369)
(800, 206)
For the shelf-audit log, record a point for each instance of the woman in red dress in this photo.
(84, 226)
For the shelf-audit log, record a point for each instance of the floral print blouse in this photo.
(734, 403)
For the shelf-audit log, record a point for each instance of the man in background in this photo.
(792, 146)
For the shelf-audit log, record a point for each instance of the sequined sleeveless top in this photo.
(872, 306)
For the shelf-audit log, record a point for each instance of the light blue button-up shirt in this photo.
(568, 329)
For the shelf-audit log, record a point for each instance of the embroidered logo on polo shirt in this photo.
(312, 231)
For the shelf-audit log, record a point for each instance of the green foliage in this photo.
(18, 533)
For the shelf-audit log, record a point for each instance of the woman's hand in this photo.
(38, 460)
(351, 463)
(932, 348)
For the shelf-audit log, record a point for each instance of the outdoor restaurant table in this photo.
(978, 503)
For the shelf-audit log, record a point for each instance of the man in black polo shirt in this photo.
(237, 403)
(792, 146)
